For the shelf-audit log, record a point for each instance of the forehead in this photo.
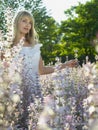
(26, 18)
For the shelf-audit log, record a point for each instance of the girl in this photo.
(32, 64)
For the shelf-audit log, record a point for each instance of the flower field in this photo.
(70, 95)
(74, 97)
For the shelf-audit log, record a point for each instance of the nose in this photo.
(27, 24)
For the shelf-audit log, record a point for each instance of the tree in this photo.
(79, 29)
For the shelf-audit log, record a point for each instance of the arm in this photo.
(48, 69)
(44, 69)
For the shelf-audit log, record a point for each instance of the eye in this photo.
(24, 20)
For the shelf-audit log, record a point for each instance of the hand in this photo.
(72, 63)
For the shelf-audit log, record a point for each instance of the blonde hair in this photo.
(32, 36)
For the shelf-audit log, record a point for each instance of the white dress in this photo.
(31, 57)
(30, 82)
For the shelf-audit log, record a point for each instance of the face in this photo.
(24, 26)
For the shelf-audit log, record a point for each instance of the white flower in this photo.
(49, 111)
(90, 98)
(7, 53)
(91, 86)
(2, 108)
(1, 94)
(9, 108)
(6, 78)
(42, 121)
(59, 92)
(4, 85)
(60, 109)
(15, 98)
(1, 122)
(91, 109)
(16, 78)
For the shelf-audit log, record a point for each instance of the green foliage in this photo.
(80, 28)
(49, 37)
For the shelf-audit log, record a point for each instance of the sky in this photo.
(56, 8)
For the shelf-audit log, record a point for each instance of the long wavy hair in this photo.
(30, 37)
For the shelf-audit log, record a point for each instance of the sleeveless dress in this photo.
(31, 88)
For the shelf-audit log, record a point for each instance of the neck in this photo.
(21, 36)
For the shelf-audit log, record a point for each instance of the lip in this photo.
(26, 29)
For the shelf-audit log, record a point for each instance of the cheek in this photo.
(30, 27)
(21, 26)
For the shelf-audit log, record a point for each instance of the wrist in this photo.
(63, 65)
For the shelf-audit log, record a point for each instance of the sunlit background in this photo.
(71, 94)
(57, 7)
